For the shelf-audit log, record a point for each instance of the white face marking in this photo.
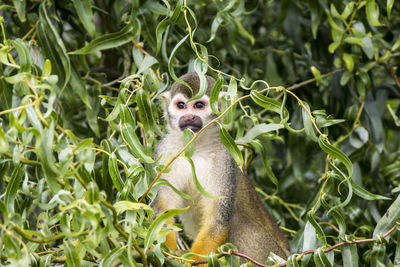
(179, 107)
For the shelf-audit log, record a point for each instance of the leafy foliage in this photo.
(310, 107)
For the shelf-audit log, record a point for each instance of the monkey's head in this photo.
(179, 113)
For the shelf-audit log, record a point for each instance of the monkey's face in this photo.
(193, 115)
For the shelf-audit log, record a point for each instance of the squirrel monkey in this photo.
(239, 218)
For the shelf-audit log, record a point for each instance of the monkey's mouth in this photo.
(194, 128)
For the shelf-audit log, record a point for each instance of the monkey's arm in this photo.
(214, 227)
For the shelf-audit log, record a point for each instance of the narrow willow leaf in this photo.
(258, 130)
(197, 182)
(317, 227)
(148, 61)
(85, 14)
(105, 181)
(259, 148)
(79, 86)
(187, 136)
(145, 111)
(361, 192)
(158, 223)
(110, 40)
(389, 6)
(13, 186)
(92, 193)
(114, 173)
(123, 205)
(397, 254)
(388, 219)
(337, 154)
(350, 255)
(167, 21)
(229, 143)
(111, 258)
(231, 260)
(268, 103)
(72, 258)
(372, 10)
(292, 262)
(317, 74)
(20, 6)
(315, 17)
(166, 183)
(212, 260)
(308, 125)
(320, 258)
(54, 47)
(309, 241)
(24, 56)
(3, 141)
(337, 215)
(214, 96)
(200, 68)
(171, 62)
(130, 136)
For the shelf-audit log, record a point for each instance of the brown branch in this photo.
(297, 85)
(140, 48)
(311, 251)
(393, 73)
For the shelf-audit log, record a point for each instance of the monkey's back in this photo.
(252, 229)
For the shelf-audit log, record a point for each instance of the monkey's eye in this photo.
(199, 105)
(180, 105)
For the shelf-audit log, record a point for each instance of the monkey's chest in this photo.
(185, 176)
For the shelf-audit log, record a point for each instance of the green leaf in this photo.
(196, 181)
(85, 14)
(114, 173)
(212, 260)
(372, 10)
(361, 192)
(110, 40)
(171, 62)
(123, 205)
(13, 186)
(259, 129)
(54, 47)
(148, 61)
(307, 121)
(350, 255)
(229, 143)
(187, 136)
(317, 227)
(348, 61)
(388, 219)
(20, 7)
(317, 74)
(337, 154)
(214, 96)
(3, 141)
(167, 21)
(268, 103)
(145, 111)
(158, 223)
(337, 215)
(389, 6)
(72, 258)
(130, 136)
(166, 183)
(24, 56)
(320, 258)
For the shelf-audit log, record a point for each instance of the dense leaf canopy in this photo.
(311, 111)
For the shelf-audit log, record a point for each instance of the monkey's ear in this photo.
(165, 99)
